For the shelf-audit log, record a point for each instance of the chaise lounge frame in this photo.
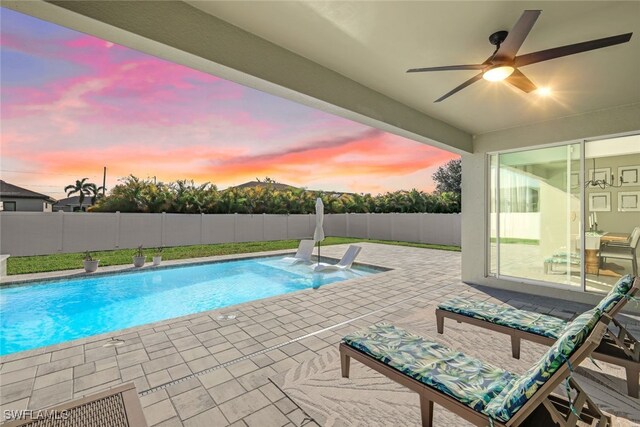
(541, 409)
(621, 349)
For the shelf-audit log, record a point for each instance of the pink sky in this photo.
(72, 103)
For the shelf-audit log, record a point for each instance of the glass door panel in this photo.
(538, 215)
(493, 212)
(612, 210)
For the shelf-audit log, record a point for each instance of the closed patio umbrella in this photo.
(318, 234)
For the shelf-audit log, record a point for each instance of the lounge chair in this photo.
(481, 393)
(116, 407)
(619, 348)
(345, 263)
(303, 254)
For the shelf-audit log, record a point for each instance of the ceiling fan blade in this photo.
(572, 49)
(459, 88)
(448, 68)
(521, 81)
(510, 46)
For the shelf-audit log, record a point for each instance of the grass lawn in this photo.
(56, 262)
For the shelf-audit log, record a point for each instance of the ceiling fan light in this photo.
(498, 73)
(544, 91)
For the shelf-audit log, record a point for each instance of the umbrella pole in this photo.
(318, 252)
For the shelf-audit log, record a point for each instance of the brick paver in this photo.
(200, 370)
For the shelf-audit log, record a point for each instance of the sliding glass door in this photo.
(612, 205)
(535, 215)
(539, 200)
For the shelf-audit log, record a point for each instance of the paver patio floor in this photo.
(200, 370)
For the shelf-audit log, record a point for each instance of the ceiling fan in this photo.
(503, 64)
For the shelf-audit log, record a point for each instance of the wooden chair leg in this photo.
(633, 381)
(587, 411)
(426, 411)
(440, 323)
(515, 346)
(345, 362)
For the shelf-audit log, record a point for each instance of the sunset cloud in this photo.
(73, 103)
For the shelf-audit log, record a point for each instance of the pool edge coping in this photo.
(54, 276)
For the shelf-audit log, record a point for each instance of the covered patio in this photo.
(274, 362)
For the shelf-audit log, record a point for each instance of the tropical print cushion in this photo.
(619, 290)
(516, 394)
(467, 380)
(536, 323)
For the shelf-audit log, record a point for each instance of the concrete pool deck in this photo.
(203, 370)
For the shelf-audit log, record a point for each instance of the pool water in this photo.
(46, 313)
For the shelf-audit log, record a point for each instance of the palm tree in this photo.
(81, 187)
(95, 192)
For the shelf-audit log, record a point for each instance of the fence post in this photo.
(116, 229)
(61, 248)
(368, 233)
(162, 222)
(263, 226)
(235, 227)
(287, 225)
(421, 226)
(347, 225)
(117, 218)
(201, 227)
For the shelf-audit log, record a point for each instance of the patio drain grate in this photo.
(274, 347)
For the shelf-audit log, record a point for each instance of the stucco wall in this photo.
(29, 205)
(474, 184)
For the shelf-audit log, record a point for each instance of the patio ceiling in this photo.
(374, 43)
(350, 58)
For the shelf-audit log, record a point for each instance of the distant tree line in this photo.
(141, 195)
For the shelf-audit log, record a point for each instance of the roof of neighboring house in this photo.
(259, 184)
(73, 201)
(10, 190)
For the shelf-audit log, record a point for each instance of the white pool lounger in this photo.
(344, 264)
(305, 250)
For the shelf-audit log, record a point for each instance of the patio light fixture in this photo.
(498, 73)
(543, 91)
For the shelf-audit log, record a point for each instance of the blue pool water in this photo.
(41, 314)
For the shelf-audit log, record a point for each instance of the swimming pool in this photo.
(46, 313)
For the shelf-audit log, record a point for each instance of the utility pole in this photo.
(104, 180)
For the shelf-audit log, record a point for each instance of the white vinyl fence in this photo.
(40, 233)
